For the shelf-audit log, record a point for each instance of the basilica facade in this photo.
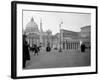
(37, 36)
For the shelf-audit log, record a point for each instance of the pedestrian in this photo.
(48, 49)
(35, 50)
(82, 47)
(26, 55)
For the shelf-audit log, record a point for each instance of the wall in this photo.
(5, 40)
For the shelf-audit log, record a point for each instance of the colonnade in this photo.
(71, 45)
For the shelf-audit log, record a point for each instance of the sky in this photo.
(51, 20)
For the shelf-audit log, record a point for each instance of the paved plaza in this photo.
(54, 59)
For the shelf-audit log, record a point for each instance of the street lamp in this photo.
(60, 50)
(48, 42)
(48, 36)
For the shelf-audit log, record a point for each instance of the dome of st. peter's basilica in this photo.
(32, 27)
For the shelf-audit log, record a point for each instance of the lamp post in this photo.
(60, 50)
(48, 42)
(48, 35)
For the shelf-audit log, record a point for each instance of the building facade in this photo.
(36, 36)
(71, 40)
(67, 40)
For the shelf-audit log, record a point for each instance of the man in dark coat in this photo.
(82, 47)
(48, 49)
(26, 55)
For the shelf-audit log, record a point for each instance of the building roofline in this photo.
(85, 26)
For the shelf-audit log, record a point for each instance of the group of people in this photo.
(35, 49)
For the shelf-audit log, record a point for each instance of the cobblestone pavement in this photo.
(55, 59)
